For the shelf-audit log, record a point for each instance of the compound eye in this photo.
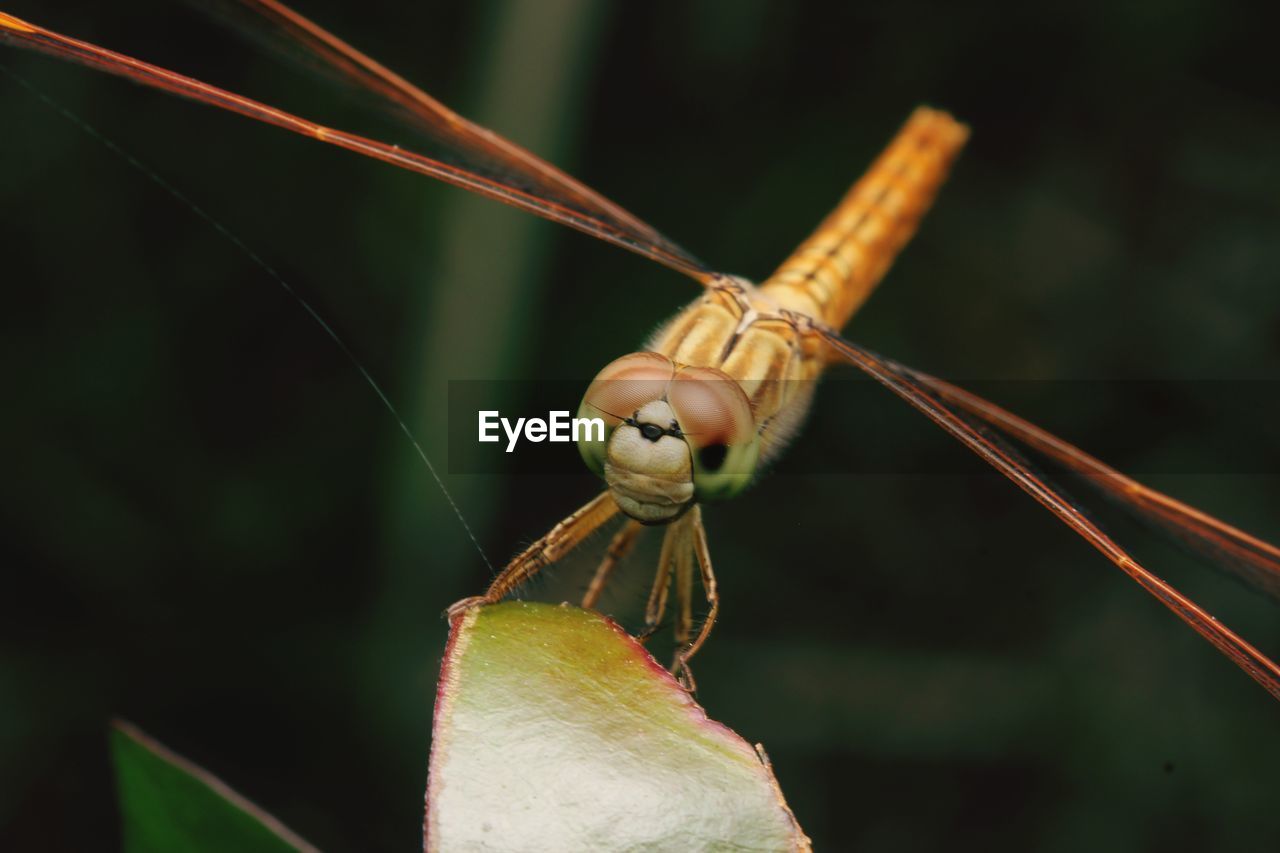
(712, 457)
(617, 393)
(716, 420)
(625, 385)
(711, 408)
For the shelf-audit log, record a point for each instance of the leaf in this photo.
(555, 730)
(167, 804)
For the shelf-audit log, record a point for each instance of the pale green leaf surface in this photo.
(555, 730)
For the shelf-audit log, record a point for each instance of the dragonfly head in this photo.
(673, 435)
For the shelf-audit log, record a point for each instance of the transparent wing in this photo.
(904, 382)
(1254, 561)
(513, 175)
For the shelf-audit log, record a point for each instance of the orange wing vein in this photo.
(443, 123)
(566, 201)
(903, 382)
(1251, 559)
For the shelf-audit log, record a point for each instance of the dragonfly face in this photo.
(673, 435)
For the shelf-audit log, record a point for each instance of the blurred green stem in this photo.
(480, 285)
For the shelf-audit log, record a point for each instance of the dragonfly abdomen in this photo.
(745, 331)
(834, 271)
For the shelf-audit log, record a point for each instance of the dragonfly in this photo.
(723, 386)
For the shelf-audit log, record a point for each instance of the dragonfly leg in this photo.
(657, 604)
(703, 555)
(560, 540)
(623, 541)
(684, 594)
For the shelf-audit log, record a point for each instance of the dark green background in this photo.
(212, 528)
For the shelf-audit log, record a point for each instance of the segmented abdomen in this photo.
(834, 271)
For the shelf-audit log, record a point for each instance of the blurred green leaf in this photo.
(555, 730)
(167, 803)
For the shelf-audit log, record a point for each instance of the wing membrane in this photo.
(369, 75)
(1251, 559)
(519, 178)
(903, 382)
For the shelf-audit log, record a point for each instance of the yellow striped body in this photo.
(757, 335)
